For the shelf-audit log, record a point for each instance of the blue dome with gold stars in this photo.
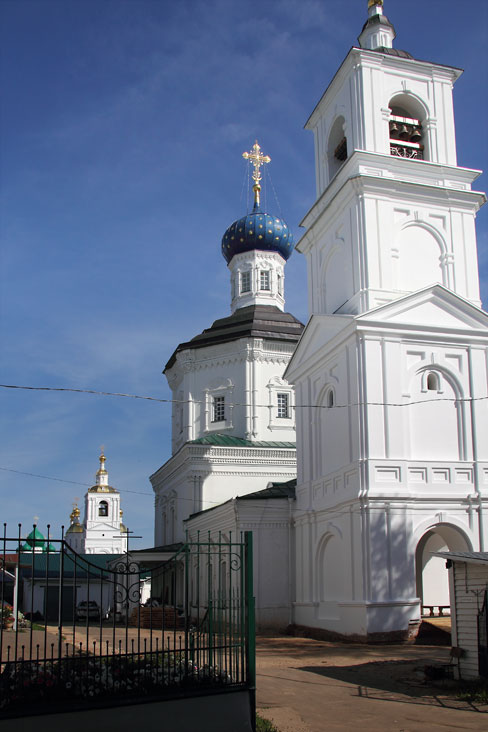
(257, 230)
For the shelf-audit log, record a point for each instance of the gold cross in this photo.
(257, 159)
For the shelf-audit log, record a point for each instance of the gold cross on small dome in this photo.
(257, 159)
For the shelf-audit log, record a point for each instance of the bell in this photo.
(404, 133)
(416, 135)
(393, 129)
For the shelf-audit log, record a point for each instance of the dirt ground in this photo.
(42, 644)
(304, 685)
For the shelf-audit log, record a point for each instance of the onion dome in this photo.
(257, 230)
(75, 526)
(36, 542)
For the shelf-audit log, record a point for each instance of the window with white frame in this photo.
(245, 282)
(264, 280)
(280, 285)
(283, 406)
(218, 409)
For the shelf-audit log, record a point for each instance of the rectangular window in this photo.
(218, 409)
(245, 282)
(283, 406)
(280, 285)
(264, 281)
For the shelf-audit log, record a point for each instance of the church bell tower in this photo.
(391, 371)
(394, 213)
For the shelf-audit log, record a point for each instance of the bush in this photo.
(476, 691)
(264, 725)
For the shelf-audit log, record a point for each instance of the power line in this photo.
(454, 400)
(73, 482)
(334, 514)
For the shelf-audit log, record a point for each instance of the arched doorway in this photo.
(431, 573)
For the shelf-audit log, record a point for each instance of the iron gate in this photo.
(75, 632)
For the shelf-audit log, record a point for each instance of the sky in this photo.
(123, 124)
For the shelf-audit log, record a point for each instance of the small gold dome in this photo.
(75, 529)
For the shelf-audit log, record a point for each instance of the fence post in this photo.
(60, 598)
(250, 629)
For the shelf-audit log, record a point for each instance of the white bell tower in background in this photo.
(102, 531)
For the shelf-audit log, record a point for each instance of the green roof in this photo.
(231, 441)
(47, 564)
(36, 540)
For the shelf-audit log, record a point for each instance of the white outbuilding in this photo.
(468, 583)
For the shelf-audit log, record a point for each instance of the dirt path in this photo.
(305, 685)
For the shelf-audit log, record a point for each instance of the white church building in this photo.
(102, 530)
(388, 381)
(233, 422)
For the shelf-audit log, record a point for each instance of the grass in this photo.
(476, 691)
(264, 725)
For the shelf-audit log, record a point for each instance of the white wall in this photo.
(248, 373)
(270, 523)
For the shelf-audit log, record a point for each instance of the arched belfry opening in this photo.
(407, 137)
(431, 574)
(337, 147)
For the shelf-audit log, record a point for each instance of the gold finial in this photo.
(257, 159)
(372, 3)
(75, 514)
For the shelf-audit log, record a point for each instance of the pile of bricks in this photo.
(156, 617)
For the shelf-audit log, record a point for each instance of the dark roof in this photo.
(393, 52)
(274, 490)
(258, 321)
(219, 440)
(470, 557)
(379, 19)
(172, 548)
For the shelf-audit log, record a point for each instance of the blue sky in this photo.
(123, 123)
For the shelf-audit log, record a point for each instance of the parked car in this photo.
(87, 609)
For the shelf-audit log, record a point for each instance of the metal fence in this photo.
(76, 631)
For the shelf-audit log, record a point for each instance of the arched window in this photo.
(406, 133)
(337, 147)
(433, 383)
(330, 398)
(103, 508)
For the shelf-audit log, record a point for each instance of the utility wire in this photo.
(336, 514)
(245, 404)
(73, 482)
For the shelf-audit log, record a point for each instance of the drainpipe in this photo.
(475, 457)
(291, 550)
